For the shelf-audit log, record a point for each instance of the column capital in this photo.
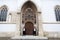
(39, 12)
(10, 13)
(18, 12)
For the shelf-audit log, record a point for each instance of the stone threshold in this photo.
(28, 37)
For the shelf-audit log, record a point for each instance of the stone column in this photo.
(40, 31)
(21, 27)
(9, 18)
(18, 22)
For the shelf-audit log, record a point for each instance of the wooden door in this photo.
(29, 28)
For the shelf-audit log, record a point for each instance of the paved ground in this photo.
(28, 38)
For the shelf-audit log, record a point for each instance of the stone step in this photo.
(4, 38)
(29, 38)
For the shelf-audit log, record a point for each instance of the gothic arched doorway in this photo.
(29, 17)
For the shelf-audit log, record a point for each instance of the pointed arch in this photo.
(29, 10)
(57, 12)
(3, 13)
(27, 5)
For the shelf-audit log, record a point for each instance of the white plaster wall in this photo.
(10, 3)
(51, 27)
(8, 28)
(48, 13)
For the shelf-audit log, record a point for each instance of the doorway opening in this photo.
(29, 29)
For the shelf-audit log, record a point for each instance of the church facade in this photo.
(30, 18)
